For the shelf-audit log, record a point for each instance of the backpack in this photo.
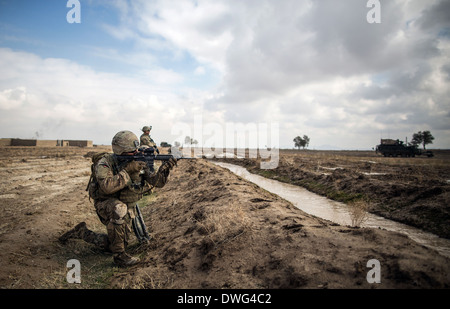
(93, 186)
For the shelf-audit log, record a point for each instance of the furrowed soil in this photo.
(414, 191)
(209, 228)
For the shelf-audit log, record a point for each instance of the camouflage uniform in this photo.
(115, 192)
(117, 196)
(116, 200)
(147, 141)
(145, 138)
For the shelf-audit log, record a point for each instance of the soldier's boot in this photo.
(81, 231)
(124, 260)
(76, 232)
(101, 241)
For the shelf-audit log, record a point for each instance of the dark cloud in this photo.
(446, 70)
(436, 18)
(280, 48)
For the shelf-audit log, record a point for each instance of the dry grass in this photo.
(96, 268)
(358, 211)
(155, 277)
(223, 224)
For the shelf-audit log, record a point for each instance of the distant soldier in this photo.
(115, 191)
(146, 140)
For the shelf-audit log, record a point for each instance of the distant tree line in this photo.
(190, 141)
(187, 141)
(420, 138)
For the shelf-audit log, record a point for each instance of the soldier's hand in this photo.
(162, 175)
(171, 162)
(165, 168)
(134, 167)
(148, 175)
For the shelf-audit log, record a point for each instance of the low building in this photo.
(44, 143)
(5, 141)
(80, 143)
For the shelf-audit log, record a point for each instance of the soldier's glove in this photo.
(162, 175)
(148, 175)
(134, 167)
(171, 163)
(157, 150)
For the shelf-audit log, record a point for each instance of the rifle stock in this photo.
(139, 227)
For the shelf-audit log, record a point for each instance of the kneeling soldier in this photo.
(115, 191)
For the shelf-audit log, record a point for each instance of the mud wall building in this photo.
(44, 143)
(33, 142)
(5, 141)
(62, 143)
(23, 142)
(80, 143)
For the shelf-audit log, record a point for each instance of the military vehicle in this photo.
(395, 148)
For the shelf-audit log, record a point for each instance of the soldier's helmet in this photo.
(146, 128)
(124, 141)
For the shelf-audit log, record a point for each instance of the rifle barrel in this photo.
(164, 157)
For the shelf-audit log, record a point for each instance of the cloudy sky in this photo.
(296, 67)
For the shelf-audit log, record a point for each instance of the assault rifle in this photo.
(148, 156)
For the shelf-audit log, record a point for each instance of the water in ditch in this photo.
(337, 212)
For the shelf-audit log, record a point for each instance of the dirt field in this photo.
(210, 229)
(414, 191)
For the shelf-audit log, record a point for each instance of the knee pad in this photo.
(119, 213)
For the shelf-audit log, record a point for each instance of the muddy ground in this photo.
(209, 228)
(414, 191)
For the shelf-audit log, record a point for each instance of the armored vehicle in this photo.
(395, 148)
